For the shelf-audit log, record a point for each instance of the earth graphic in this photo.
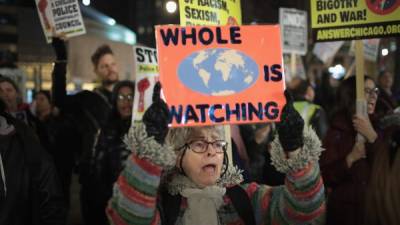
(218, 72)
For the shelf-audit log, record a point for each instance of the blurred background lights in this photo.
(385, 52)
(337, 71)
(111, 21)
(86, 2)
(171, 6)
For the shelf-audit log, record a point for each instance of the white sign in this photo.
(293, 30)
(146, 64)
(371, 48)
(60, 17)
(326, 50)
(299, 70)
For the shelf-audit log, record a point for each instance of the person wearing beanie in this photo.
(183, 176)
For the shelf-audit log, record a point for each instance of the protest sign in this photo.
(146, 64)
(221, 74)
(60, 17)
(371, 49)
(354, 19)
(299, 71)
(210, 12)
(293, 30)
(325, 51)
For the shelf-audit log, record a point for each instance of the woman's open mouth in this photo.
(209, 168)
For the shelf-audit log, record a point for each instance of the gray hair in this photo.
(178, 137)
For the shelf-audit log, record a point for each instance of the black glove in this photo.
(59, 48)
(290, 129)
(156, 117)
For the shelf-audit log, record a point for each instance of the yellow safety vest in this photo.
(306, 110)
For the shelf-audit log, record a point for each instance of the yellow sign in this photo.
(354, 19)
(210, 12)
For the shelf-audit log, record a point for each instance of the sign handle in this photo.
(293, 64)
(361, 105)
(228, 139)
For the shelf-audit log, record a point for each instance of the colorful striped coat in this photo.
(300, 201)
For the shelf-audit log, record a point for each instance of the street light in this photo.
(171, 6)
(86, 2)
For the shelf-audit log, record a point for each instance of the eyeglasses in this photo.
(125, 97)
(370, 91)
(201, 146)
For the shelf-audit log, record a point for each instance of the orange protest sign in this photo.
(221, 74)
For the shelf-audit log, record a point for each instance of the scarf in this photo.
(203, 205)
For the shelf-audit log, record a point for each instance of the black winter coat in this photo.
(32, 194)
(111, 154)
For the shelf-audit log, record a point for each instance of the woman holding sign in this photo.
(346, 164)
(182, 176)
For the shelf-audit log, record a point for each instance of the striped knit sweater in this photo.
(300, 201)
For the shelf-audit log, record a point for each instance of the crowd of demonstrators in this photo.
(30, 192)
(110, 151)
(182, 176)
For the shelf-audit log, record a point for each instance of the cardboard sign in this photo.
(325, 51)
(293, 30)
(371, 49)
(221, 75)
(60, 17)
(300, 70)
(354, 19)
(146, 76)
(206, 12)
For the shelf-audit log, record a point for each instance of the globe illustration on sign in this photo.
(218, 72)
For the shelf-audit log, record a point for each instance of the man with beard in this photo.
(85, 113)
(106, 69)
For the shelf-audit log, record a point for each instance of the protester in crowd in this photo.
(258, 139)
(107, 70)
(30, 192)
(312, 114)
(57, 132)
(386, 102)
(43, 106)
(199, 187)
(346, 163)
(325, 93)
(11, 95)
(383, 193)
(88, 112)
(110, 150)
